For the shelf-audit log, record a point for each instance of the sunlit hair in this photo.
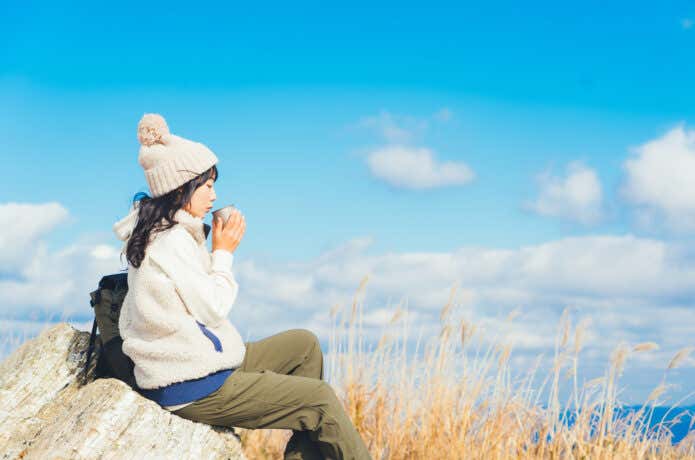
(157, 214)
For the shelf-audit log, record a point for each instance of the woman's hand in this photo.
(228, 235)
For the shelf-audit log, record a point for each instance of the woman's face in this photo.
(201, 201)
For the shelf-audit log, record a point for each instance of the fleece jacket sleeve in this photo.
(208, 295)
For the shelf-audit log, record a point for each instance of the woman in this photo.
(188, 357)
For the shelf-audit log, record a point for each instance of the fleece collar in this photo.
(195, 226)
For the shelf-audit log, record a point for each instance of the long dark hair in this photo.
(152, 211)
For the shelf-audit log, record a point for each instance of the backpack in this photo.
(106, 301)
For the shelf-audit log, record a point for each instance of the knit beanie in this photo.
(169, 161)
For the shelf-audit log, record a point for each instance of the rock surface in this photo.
(47, 412)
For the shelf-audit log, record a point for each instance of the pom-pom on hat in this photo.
(169, 161)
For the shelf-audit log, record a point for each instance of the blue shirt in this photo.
(194, 389)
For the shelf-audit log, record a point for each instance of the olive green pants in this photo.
(280, 385)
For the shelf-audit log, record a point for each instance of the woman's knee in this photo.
(308, 339)
(329, 408)
(324, 396)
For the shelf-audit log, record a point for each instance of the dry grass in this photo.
(456, 398)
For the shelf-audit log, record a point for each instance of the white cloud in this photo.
(660, 180)
(104, 252)
(416, 168)
(22, 225)
(404, 165)
(57, 282)
(576, 196)
(35, 280)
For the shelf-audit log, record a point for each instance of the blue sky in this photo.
(314, 110)
(275, 92)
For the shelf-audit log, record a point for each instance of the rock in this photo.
(47, 412)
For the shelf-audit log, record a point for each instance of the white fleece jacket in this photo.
(177, 283)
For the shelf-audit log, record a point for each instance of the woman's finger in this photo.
(237, 221)
(239, 230)
(216, 225)
(227, 223)
(233, 219)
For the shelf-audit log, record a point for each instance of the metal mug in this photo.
(223, 213)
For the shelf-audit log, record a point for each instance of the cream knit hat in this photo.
(169, 160)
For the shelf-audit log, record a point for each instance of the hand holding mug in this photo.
(227, 235)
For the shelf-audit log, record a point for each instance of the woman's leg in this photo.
(265, 399)
(293, 353)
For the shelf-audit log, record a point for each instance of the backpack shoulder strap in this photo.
(90, 349)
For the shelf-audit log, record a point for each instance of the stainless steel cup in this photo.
(223, 213)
